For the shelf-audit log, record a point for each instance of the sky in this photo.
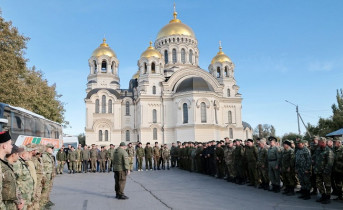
(282, 50)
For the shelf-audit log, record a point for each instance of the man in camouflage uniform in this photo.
(102, 159)
(85, 158)
(61, 158)
(177, 154)
(72, 156)
(229, 162)
(156, 155)
(251, 155)
(140, 156)
(262, 164)
(78, 159)
(338, 168)
(131, 154)
(31, 166)
(287, 168)
(110, 153)
(324, 160)
(173, 155)
(303, 169)
(93, 153)
(166, 157)
(238, 161)
(49, 169)
(148, 156)
(38, 163)
(24, 179)
(274, 164)
(121, 170)
(313, 148)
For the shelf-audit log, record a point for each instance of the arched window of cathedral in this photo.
(183, 55)
(166, 56)
(191, 56)
(110, 106)
(218, 72)
(169, 40)
(127, 135)
(106, 135)
(154, 90)
(229, 117)
(145, 68)
(178, 40)
(103, 104)
(154, 134)
(203, 112)
(231, 133)
(100, 135)
(173, 39)
(185, 113)
(112, 67)
(228, 92)
(95, 67)
(103, 66)
(174, 55)
(153, 69)
(154, 116)
(226, 72)
(127, 108)
(181, 39)
(97, 106)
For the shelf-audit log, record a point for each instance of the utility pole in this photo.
(298, 116)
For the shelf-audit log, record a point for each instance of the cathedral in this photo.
(170, 98)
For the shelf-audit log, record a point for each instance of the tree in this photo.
(264, 131)
(82, 139)
(22, 86)
(291, 136)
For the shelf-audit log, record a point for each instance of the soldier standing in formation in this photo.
(173, 155)
(166, 157)
(121, 170)
(287, 168)
(148, 156)
(72, 157)
(102, 155)
(131, 154)
(110, 153)
(78, 159)
(85, 157)
(251, 155)
(49, 169)
(61, 158)
(262, 164)
(274, 164)
(93, 156)
(156, 155)
(140, 155)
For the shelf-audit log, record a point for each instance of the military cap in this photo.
(329, 139)
(315, 138)
(139, 142)
(28, 148)
(251, 140)
(122, 144)
(178, 142)
(258, 139)
(263, 140)
(271, 138)
(292, 142)
(156, 142)
(4, 136)
(234, 141)
(287, 142)
(322, 139)
(302, 141)
(49, 145)
(16, 149)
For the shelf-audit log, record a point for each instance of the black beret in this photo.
(271, 138)
(251, 140)
(4, 136)
(287, 142)
(148, 143)
(156, 142)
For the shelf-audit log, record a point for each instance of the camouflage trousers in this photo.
(120, 181)
(305, 180)
(165, 162)
(273, 173)
(253, 174)
(38, 192)
(231, 170)
(338, 178)
(323, 183)
(288, 178)
(78, 165)
(60, 166)
(263, 174)
(156, 162)
(46, 188)
(102, 163)
(131, 163)
(72, 165)
(140, 162)
(109, 165)
(93, 164)
(220, 168)
(148, 163)
(10, 205)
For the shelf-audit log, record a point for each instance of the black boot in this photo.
(277, 189)
(327, 199)
(307, 195)
(290, 191)
(314, 191)
(322, 198)
(154, 168)
(266, 186)
(287, 189)
(272, 189)
(303, 193)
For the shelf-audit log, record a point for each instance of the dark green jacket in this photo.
(121, 161)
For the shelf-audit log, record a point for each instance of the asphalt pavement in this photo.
(169, 189)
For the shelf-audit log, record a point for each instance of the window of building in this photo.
(154, 134)
(97, 106)
(153, 89)
(203, 112)
(100, 135)
(103, 104)
(145, 68)
(103, 66)
(110, 106)
(183, 55)
(174, 55)
(230, 117)
(127, 135)
(185, 113)
(153, 69)
(95, 67)
(226, 71)
(112, 67)
(191, 56)
(228, 92)
(166, 56)
(231, 133)
(106, 135)
(154, 116)
(127, 108)
(218, 72)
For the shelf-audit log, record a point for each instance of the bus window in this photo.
(17, 122)
(29, 126)
(47, 130)
(39, 128)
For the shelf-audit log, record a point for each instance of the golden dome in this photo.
(220, 57)
(136, 75)
(151, 52)
(104, 49)
(174, 27)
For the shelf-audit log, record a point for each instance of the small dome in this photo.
(175, 27)
(194, 84)
(103, 49)
(151, 52)
(221, 57)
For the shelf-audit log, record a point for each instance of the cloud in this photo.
(321, 66)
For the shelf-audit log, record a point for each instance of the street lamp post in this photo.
(297, 111)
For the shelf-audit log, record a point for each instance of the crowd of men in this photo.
(268, 164)
(26, 175)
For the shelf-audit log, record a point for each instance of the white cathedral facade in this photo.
(169, 98)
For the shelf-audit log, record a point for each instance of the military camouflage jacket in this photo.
(324, 161)
(228, 155)
(262, 158)
(72, 155)
(166, 154)
(78, 154)
(24, 179)
(130, 151)
(303, 160)
(219, 154)
(93, 153)
(288, 160)
(238, 154)
(274, 154)
(251, 154)
(338, 163)
(156, 151)
(121, 161)
(140, 152)
(61, 156)
(102, 155)
(85, 154)
(48, 163)
(10, 192)
(148, 152)
(110, 153)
